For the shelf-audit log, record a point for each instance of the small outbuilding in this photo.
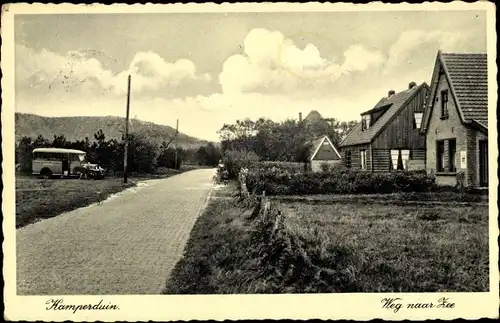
(322, 151)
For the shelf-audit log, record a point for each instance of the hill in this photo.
(77, 128)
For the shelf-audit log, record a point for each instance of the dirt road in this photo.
(126, 245)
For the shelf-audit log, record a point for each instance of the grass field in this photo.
(38, 199)
(388, 248)
(338, 244)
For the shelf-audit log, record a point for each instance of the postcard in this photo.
(249, 161)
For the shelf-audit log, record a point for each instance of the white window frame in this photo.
(363, 158)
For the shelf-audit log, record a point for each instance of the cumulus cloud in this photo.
(75, 72)
(273, 63)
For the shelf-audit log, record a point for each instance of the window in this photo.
(74, 157)
(444, 104)
(440, 156)
(400, 158)
(363, 158)
(366, 122)
(417, 121)
(452, 151)
(348, 159)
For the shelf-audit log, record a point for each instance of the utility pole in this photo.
(175, 145)
(126, 134)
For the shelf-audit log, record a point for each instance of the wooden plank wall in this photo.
(381, 160)
(417, 154)
(399, 134)
(356, 156)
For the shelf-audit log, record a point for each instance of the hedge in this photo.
(294, 167)
(281, 182)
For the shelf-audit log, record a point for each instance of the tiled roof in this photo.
(468, 74)
(396, 102)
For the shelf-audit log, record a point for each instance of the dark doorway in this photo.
(483, 163)
(65, 166)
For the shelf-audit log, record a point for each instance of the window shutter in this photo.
(394, 158)
(405, 155)
(418, 119)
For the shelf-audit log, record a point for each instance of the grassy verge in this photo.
(336, 247)
(38, 199)
(216, 256)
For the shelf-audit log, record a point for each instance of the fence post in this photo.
(243, 184)
(264, 204)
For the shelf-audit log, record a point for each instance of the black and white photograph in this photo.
(316, 161)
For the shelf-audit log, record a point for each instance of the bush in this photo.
(280, 182)
(292, 167)
(234, 160)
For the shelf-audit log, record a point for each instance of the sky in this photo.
(207, 69)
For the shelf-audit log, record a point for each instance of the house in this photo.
(455, 121)
(388, 137)
(322, 151)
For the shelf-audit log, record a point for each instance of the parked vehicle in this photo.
(92, 171)
(49, 162)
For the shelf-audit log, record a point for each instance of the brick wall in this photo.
(451, 128)
(473, 137)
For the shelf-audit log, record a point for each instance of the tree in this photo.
(24, 154)
(41, 142)
(345, 127)
(59, 141)
(208, 155)
(167, 157)
(142, 154)
(277, 141)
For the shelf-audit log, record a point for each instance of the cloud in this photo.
(272, 63)
(77, 73)
(419, 47)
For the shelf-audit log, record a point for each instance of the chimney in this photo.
(391, 92)
(412, 85)
(300, 116)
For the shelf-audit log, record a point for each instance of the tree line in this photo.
(288, 140)
(144, 156)
(246, 141)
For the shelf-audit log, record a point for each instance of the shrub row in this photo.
(279, 182)
(293, 167)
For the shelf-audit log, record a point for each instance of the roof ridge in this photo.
(463, 54)
(400, 100)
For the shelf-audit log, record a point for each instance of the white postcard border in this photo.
(358, 306)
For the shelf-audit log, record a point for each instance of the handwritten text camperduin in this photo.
(58, 305)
